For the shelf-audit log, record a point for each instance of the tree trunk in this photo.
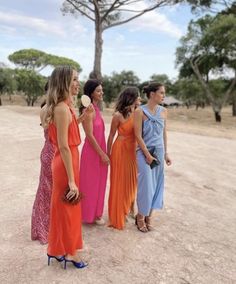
(217, 111)
(234, 108)
(33, 100)
(217, 116)
(96, 73)
(0, 101)
(217, 106)
(234, 104)
(28, 101)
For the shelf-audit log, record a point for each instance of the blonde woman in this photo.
(65, 234)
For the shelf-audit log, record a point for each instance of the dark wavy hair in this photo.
(90, 86)
(151, 87)
(126, 98)
(88, 89)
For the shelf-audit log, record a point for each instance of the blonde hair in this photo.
(58, 89)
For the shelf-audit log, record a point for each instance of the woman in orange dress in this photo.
(65, 235)
(123, 172)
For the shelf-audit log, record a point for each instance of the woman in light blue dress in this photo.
(150, 132)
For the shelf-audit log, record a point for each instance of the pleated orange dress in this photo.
(65, 233)
(123, 174)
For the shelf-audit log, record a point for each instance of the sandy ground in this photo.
(195, 237)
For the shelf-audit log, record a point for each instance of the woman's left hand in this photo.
(168, 160)
(105, 159)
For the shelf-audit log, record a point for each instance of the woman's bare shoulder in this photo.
(61, 108)
(117, 115)
(164, 112)
(138, 111)
(62, 112)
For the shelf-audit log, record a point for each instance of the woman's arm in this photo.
(88, 129)
(85, 113)
(166, 156)
(62, 119)
(138, 122)
(114, 125)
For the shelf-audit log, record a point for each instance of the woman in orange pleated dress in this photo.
(65, 235)
(123, 171)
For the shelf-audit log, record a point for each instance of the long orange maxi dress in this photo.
(65, 233)
(123, 174)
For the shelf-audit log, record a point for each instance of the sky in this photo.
(146, 45)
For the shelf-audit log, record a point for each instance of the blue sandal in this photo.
(58, 258)
(78, 265)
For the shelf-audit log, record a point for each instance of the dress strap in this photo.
(159, 110)
(146, 113)
(72, 111)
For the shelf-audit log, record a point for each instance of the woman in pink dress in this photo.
(41, 208)
(94, 160)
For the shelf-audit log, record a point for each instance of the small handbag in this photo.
(156, 162)
(73, 200)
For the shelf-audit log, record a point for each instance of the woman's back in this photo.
(123, 180)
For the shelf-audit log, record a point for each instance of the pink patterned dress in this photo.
(41, 209)
(93, 173)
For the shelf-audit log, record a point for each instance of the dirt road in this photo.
(195, 237)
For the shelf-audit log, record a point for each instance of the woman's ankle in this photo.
(140, 216)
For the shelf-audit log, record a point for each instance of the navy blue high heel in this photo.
(59, 259)
(79, 265)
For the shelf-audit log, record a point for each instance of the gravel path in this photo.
(195, 237)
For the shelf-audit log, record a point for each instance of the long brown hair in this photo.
(126, 99)
(58, 89)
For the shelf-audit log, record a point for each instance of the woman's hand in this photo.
(89, 109)
(86, 112)
(149, 159)
(74, 191)
(105, 159)
(167, 159)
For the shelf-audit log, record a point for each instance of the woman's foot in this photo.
(132, 214)
(132, 211)
(100, 221)
(59, 258)
(148, 221)
(75, 260)
(140, 223)
(75, 257)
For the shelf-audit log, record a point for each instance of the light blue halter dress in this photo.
(151, 181)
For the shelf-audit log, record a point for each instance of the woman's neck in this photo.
(152, 105)
(95, 102)
(69, 101)
(132, 108)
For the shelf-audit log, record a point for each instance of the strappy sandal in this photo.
(141, 225)
(148, 223)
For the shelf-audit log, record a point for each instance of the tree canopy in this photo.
(33, 59)
(208, 51)
(31, 83)
(106, 14)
